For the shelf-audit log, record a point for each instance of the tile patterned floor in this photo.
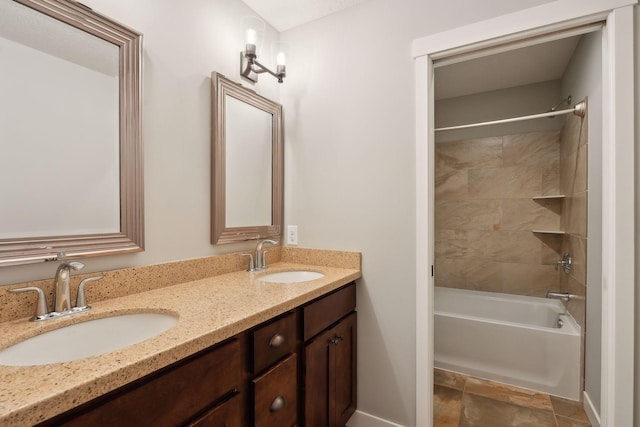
(461, 401)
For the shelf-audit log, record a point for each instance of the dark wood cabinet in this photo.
(170, 397)
(298, 369)
(330, 360)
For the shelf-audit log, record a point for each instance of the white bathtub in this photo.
(508, 338)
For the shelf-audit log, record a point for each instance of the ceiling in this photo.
(533, 64)
(286, 14)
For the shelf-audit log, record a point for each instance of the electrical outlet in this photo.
(292, 235)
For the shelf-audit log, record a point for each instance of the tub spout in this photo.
(563, 296)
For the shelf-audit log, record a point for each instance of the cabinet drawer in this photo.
(275, 395)
(227, 414)
(326, 311)
(170, 397)
(273, 341)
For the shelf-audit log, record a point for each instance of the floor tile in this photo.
(569, 409)
(447, 403)
(478, 411)
(449, 379)
(569, 422)
(505, 393)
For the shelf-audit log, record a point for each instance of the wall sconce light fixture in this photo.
(250, 68)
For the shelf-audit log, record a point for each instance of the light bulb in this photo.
(251, 36)
(281, 59)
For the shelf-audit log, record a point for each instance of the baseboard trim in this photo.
(362, 419)
(590, 410)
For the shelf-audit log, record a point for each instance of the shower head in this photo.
(562, 101)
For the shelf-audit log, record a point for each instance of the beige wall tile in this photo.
(451, 243)
(536, 148)
(469, 154)
(505, 183)
(551, 247)
(505, 246)
(575, 306)
(577, 215)
(468, 273)
(551, 180)
(529, 279)
(528, 214)
(577, 247)
(468, 215)
(452, 185)
(570, 136)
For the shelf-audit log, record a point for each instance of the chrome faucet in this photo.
(62, 281)
(62, 292)
(259, 256)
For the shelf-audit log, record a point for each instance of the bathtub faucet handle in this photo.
(565, 263)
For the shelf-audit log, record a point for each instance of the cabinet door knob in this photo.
(277, 404)
(333, 341)
(276, 341)
(340, 337)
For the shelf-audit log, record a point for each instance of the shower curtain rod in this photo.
(579, 110)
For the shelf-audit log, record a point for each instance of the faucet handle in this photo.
(41, 303)
(252, 266)
(81, 301)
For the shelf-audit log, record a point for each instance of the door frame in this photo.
(618, 249)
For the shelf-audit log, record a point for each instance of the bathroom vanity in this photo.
(244, 352)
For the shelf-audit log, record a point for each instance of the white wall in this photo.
(350, 175)
(583, 78)
(183, 43)
(637, 217)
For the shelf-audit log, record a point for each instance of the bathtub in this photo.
(511, 339)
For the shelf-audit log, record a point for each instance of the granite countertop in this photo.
(210, 310)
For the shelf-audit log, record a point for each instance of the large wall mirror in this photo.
(70, 130)
(247, 164)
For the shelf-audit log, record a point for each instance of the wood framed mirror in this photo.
(247, 164)
(70, 132)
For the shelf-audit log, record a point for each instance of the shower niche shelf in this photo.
(557, 232)
(552, 197)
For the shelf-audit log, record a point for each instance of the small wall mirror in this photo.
(247, 164)
(70, 133)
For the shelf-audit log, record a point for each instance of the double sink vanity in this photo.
(198, 342)
(273, 348)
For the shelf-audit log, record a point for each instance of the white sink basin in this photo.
(86, 339)
(294, 276)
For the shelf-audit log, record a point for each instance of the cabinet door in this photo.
(318, 381)
(345, 369)
(330, 376)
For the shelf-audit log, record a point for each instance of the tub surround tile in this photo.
(535, 148)
(485, 213)
(210, 310)
(468, 215)
(529, 214)
(469, 154)
(505, 183)
(451, 243)
(505, 246)
(452, 185)
(551, 180)
(529, 279)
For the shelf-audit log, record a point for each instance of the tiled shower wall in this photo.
(486, 213)
(573, 184)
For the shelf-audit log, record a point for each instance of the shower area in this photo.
(515, 241)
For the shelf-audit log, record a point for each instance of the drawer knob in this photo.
(277, 404)
(276, 341)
